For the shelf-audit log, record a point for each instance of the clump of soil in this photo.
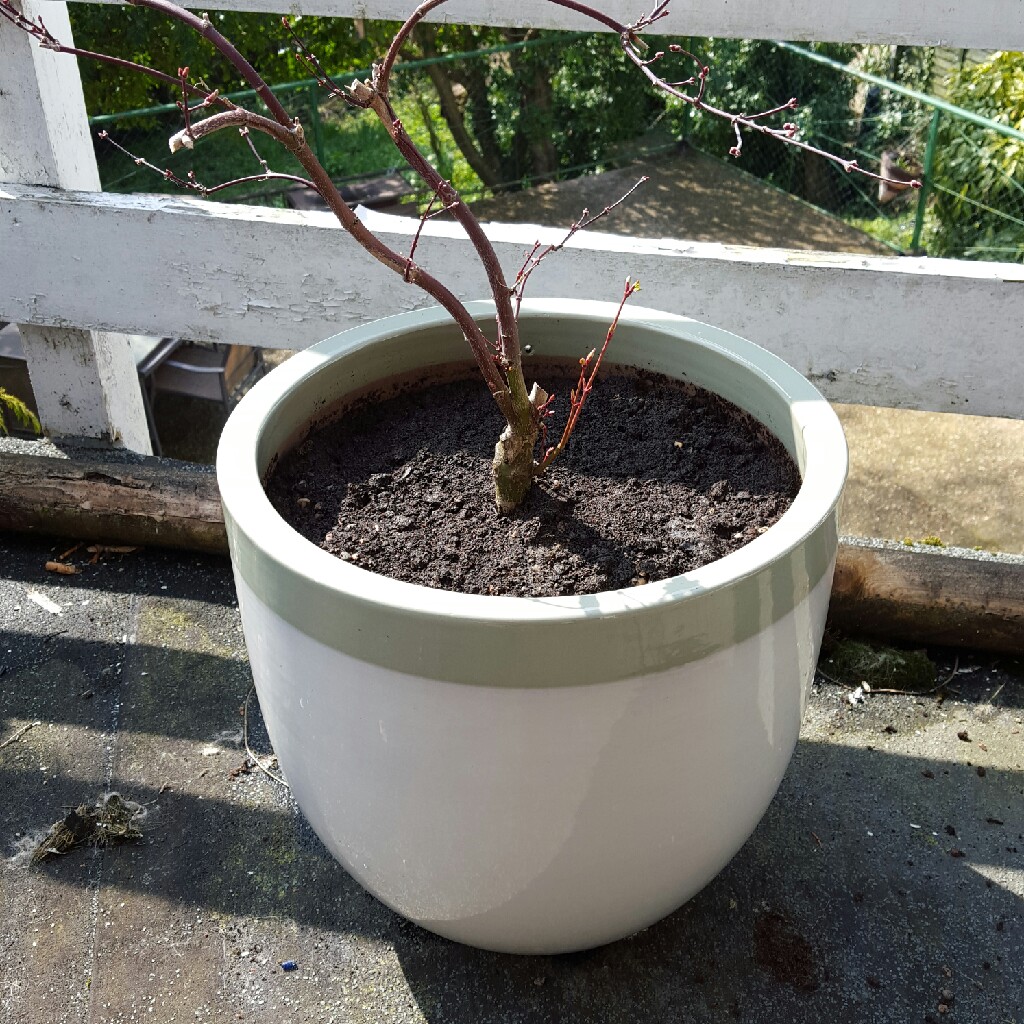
(659, 478)
(854, 662)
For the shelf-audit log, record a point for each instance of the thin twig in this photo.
(193, 184)
(533, 261)
(247, 135)
(245, 739)
(17, 736)
(312, 62)
(579, 395)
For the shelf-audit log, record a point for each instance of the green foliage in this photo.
(979, 173)
(895, 121)
(532, 111)
(894, 230)
(558, 103)
(19, 410)
(600, 100)
(139, 35)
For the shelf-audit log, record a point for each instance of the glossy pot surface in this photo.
(533, 775)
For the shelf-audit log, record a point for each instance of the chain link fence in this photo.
(971, 161)
(971, 205)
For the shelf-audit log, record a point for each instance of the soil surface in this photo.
(658, 479)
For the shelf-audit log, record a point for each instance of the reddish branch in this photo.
(500, 361)
(579, 394)
(536, 254)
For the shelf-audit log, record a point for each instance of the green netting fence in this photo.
(972, 165)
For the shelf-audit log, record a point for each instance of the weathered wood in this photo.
(993, 24)
(931, 334)
(942, 596)
(923, 595)
(154, 502)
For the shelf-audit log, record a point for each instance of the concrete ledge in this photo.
(929, 595)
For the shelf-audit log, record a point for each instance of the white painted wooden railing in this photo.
(80, 270)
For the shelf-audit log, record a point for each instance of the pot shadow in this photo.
(835, 909)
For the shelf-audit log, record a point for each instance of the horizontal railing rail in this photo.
(994, 24)
(912, 333)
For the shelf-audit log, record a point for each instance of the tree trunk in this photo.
(534, 130)
(451, 111)
(542, 148)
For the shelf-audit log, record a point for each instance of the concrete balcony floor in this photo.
(885, 883)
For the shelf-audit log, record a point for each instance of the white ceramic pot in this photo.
(655, 723)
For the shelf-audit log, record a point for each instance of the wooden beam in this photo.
(918, 594)
(990, 25)
(929, 595)
(930, 334)
(154, 502)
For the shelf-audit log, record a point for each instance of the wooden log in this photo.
(917, 594)
(154, 502)
(929, 595)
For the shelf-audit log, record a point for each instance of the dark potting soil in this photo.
(659, 478)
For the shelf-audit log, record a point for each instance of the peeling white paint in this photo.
(85, 384)
(912, 333)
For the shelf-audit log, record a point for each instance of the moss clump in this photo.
(853, 662)
(112, 820)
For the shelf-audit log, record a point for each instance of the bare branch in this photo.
(533, 258)
(634, 48)
(312, 62)
(428, 214)
(584, 386)
(38, 30)
(203, 26)
(247, 135)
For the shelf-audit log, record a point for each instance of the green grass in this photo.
(355, 145)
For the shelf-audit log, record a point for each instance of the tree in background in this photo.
(127, 32)
(547, 102)
(523, 114)
(980, 212)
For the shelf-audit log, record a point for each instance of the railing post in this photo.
(85, 382)
(926, 182)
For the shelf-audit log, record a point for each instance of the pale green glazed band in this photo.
(503, 641)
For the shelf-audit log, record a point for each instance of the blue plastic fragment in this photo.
(289, 965)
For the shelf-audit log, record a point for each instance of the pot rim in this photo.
(249, 510)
